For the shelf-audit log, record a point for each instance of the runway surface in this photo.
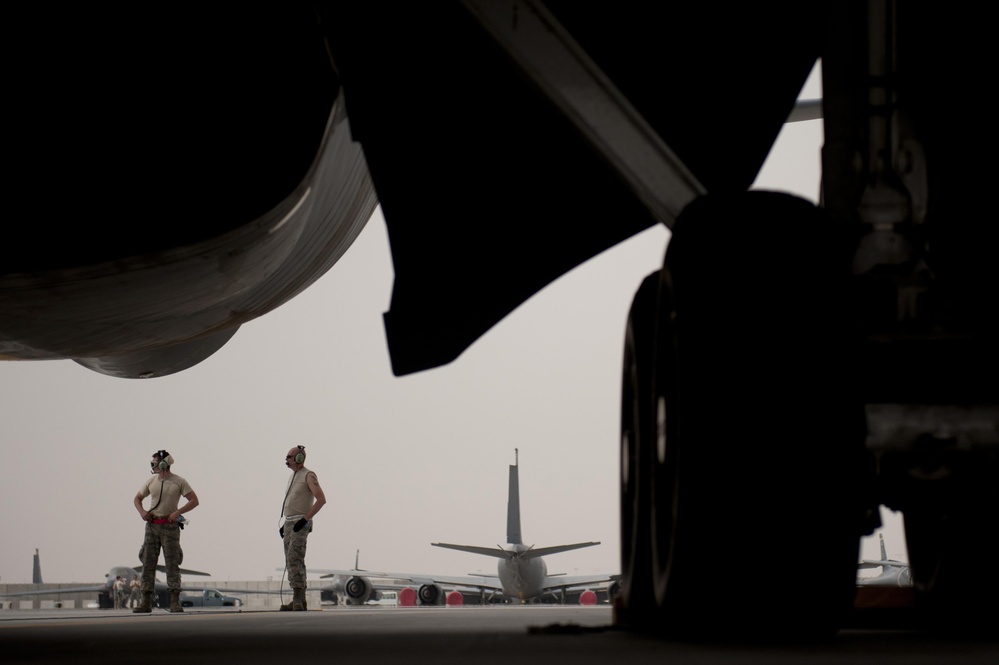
(511, 635)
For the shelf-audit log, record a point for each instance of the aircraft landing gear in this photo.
(758, 438)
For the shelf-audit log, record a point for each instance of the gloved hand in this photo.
(281, 531)
(300, 524)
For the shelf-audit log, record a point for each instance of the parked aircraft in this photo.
(358, 586)
(522, 573)
(521, 570)
(105, 598)
(787, 369)
(893, 573)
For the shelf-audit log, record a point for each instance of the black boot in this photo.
(145, 605)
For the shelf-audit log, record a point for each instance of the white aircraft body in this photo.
(522, 574)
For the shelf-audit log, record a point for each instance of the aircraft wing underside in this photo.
(209, 175)
(578, 582)
(380, 579)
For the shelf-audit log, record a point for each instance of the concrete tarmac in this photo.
(507, 635)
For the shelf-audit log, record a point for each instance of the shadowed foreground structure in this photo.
(493, 635)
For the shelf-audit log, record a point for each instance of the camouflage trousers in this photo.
(167, 537)
(294, 554)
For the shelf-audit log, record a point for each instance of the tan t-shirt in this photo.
(299, 499)
(164, 494)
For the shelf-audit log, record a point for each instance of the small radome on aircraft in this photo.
(522, 574)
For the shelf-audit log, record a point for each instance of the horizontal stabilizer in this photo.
(501, 553)
(868, 563)
(555, 549)
(497, 552)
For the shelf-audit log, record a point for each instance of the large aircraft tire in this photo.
(760, 436)
(636, 605)
(661, 471)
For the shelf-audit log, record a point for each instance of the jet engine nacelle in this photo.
(430, 594)
(357, 590)
(588, 597)
(454, 599)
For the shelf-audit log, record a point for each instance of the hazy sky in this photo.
(403, 461)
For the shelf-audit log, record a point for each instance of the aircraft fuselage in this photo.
(522, 578)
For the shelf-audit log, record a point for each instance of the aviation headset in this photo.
(300, 457)
(166, 460)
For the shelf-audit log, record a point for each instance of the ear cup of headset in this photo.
(166, 460)
(299, 458)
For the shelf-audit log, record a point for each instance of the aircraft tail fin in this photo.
(513, 505)
(36, 574)
(884, 554)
